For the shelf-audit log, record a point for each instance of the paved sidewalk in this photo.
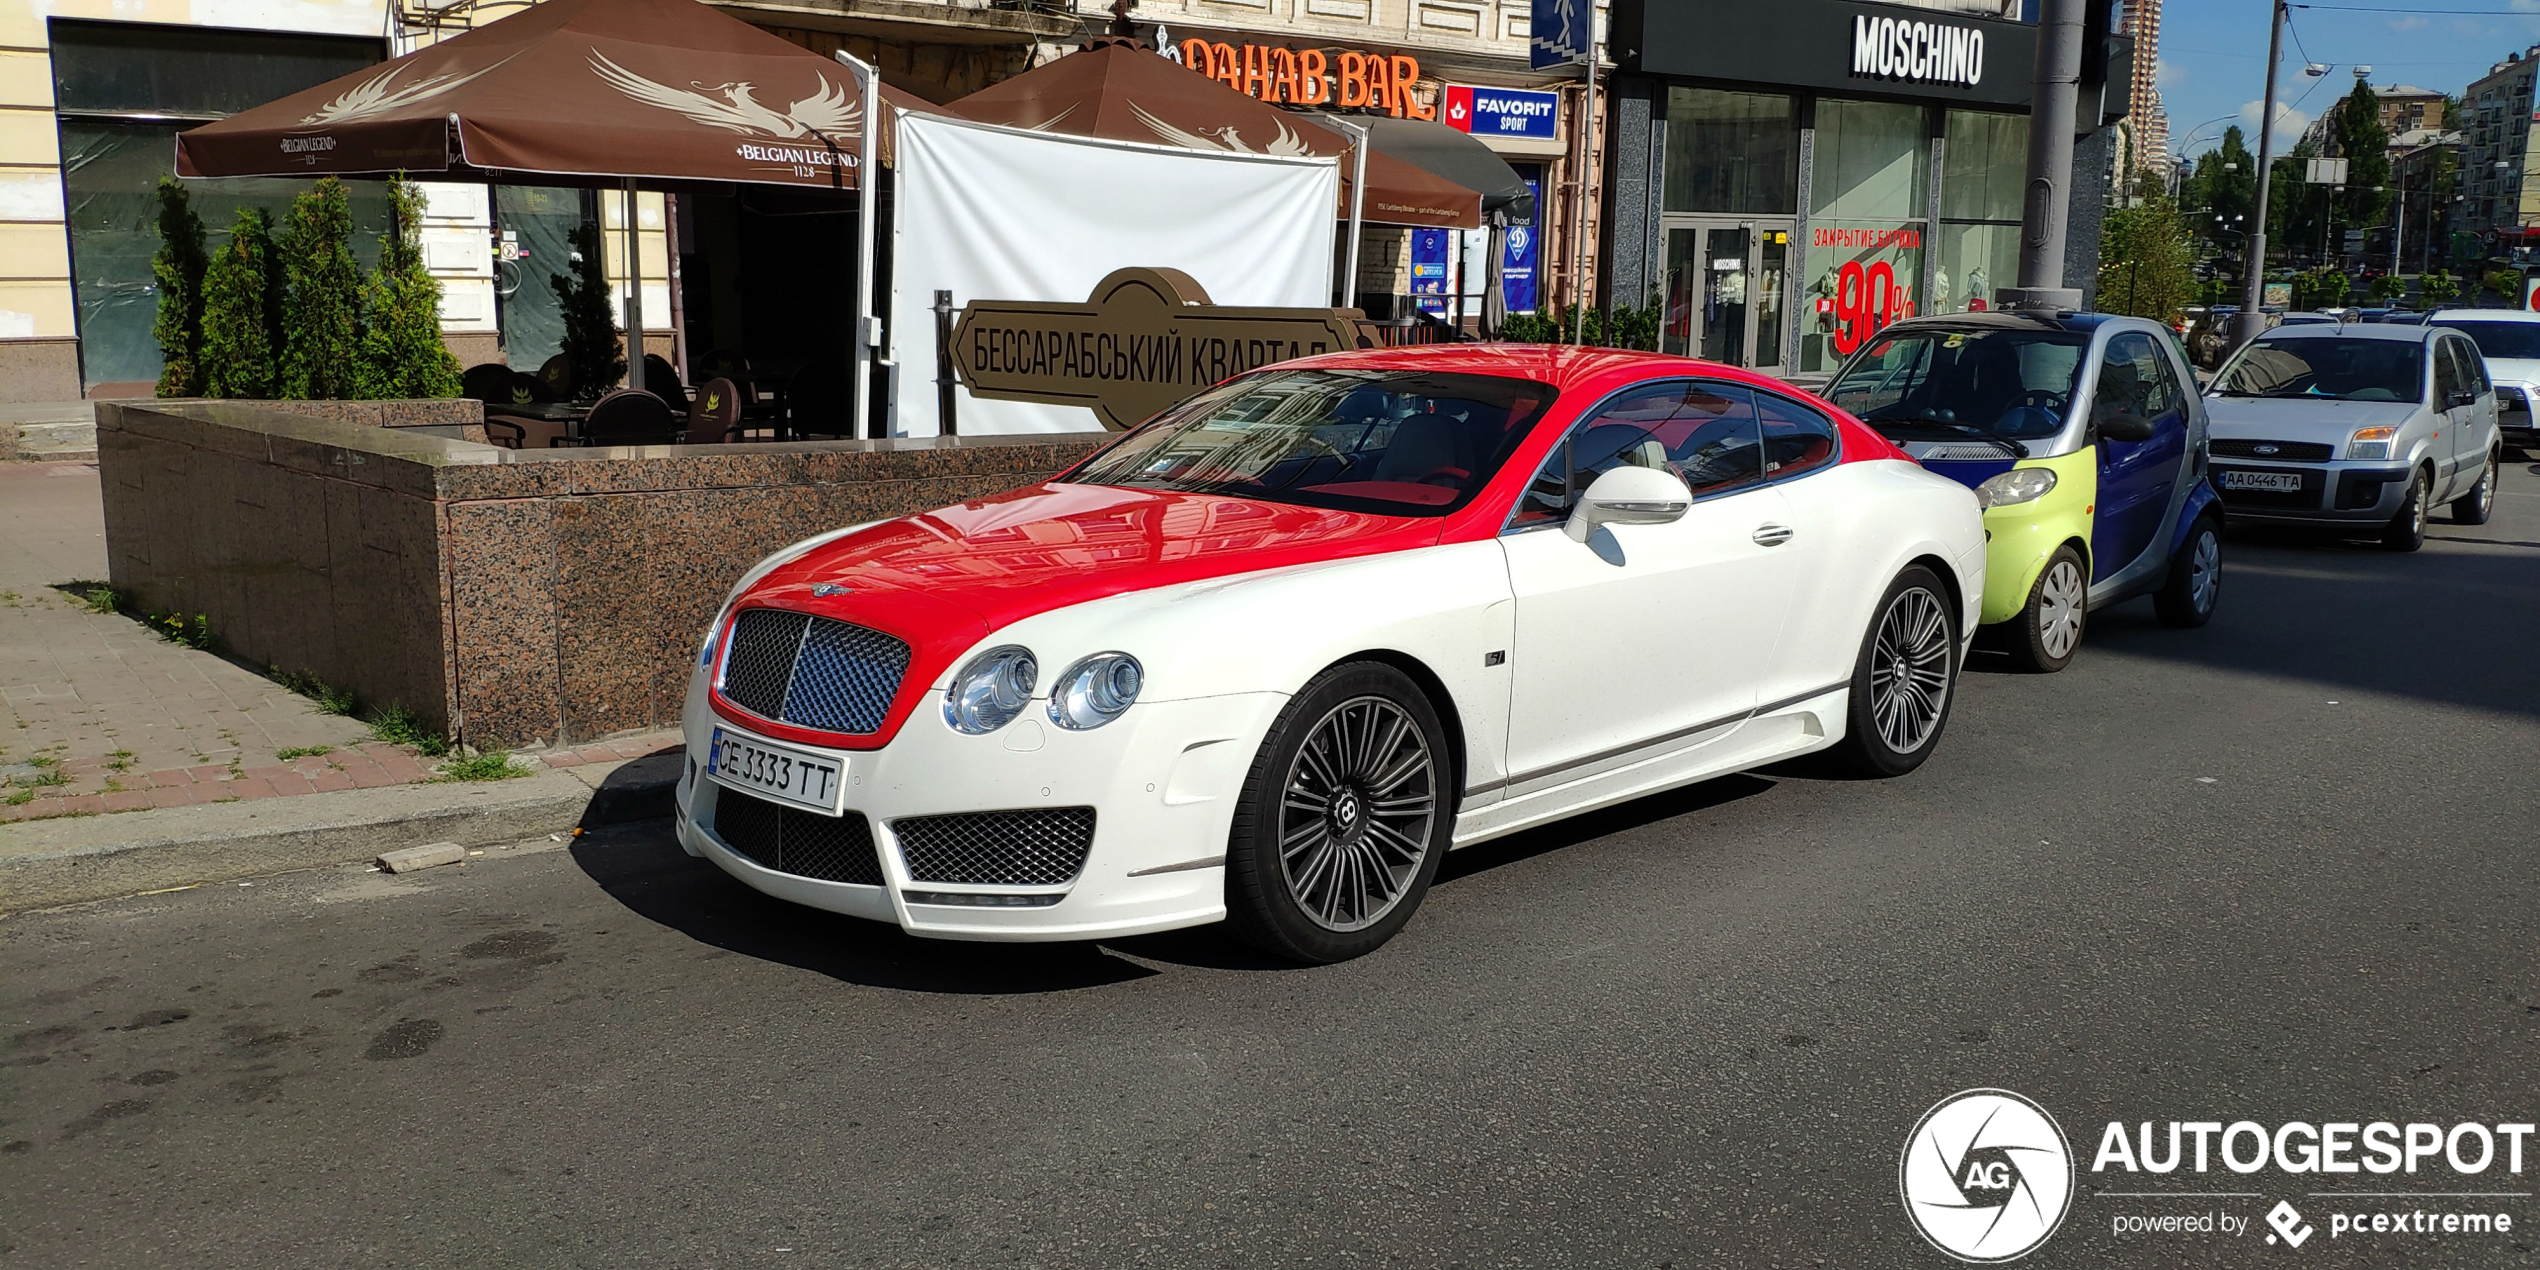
(102, 715)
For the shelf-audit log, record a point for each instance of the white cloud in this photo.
(2410, 24)
(2289, 123)
(2169, 75)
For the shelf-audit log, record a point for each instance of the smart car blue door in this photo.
(2135, 477)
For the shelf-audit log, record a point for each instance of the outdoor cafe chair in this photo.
(522, 432)
(715, 416)
(661, 379)
(629, 417)
(556, 376)
(489, 382)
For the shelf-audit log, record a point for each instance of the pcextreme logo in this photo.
(1986, 1175)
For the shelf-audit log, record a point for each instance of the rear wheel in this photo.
(2407, 529)
(2474, 507)
(1903, 680)
(2186, 600)
(1344, 818)
(2046, 634)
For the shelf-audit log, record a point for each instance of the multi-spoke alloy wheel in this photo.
(1903, 679)
(1355, 814)
(1909, 670)
(1344, 817)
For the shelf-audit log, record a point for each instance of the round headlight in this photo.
(991, 690)
(2019, 485)
(1095, 691)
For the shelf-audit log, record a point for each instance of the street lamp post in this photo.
(2251, 319)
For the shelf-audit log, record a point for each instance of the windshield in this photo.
(2501, 340)
(1404, 443)
(2329, 367)
(1999, 385)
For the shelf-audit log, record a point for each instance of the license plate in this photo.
(771, 770)
(2273, 482)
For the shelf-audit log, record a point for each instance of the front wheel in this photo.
(1903, 680)
(1344, 817)
(2046, 634)
(2406, 531)
(2186, 599)
(2474, 507)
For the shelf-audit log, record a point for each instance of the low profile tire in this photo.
(2186, 599)
(2407, 529)
(2046, 634)
(1344, 818)
(2474, 507)
(1904, 679)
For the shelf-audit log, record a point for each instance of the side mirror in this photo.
(1629, 496)
(2126, 427)
(2459, 399)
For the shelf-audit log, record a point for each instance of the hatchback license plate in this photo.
(2272, 482)
(770, 770)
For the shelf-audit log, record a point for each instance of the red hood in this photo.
(945, 579)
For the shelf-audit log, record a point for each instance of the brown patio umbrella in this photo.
(570, 92)
(1129, 94)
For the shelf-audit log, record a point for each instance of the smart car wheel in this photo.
(2046, 634)
(1904, 678)
(2195, 582)
(2407, 529)
(2473, 507)
(1343, 819)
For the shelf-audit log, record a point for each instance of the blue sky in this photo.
(2213, 57)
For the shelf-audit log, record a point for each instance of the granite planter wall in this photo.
(507, 597)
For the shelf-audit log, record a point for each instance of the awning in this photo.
(1121, 93)
(1451, 156)
(570, 92)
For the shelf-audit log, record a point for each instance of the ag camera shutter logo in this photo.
(1986, 1175)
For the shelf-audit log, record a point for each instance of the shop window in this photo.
(1866, 228)
(1731, 152)
(1984, 159)
(122, 91)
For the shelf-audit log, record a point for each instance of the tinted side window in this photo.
(2447, 373)
(2166, 397)
(2473, 367)
(1704, 433)
(2128, 377)
(1796, 438)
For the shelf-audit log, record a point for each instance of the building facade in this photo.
(1790, 179)
(2146, 140)
(2498, 201)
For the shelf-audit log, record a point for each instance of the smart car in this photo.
(2356, 429)
(2084, 441)
(1267, 658)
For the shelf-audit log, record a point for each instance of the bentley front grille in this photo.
(813, 672)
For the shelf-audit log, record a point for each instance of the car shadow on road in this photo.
(643, 868)
(2451, 627)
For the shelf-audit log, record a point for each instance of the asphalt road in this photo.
(2279, 869)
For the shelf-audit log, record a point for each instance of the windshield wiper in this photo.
(1961, 429)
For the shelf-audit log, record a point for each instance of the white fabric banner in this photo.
(989, 212)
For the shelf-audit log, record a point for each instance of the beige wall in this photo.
(35, 278)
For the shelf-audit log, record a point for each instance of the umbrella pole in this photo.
(1357, 208)
(634, 295)
(867, 327)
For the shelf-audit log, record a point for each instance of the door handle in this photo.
(1769, 534)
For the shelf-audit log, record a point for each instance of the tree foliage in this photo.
(2365, 145)
(590, 344)
(237, 330)
(402, 352)
(2219, 193)
(2438, 287)
(178, 268)
(321, 304)
(1621, 327)
(2146, 259)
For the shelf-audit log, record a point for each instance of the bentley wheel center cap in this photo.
(1345, 812)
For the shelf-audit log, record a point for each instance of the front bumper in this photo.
(1162, 782)
(2333, 493)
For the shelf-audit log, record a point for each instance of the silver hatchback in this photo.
(2361, 428)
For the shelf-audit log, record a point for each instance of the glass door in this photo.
(1723, 292)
